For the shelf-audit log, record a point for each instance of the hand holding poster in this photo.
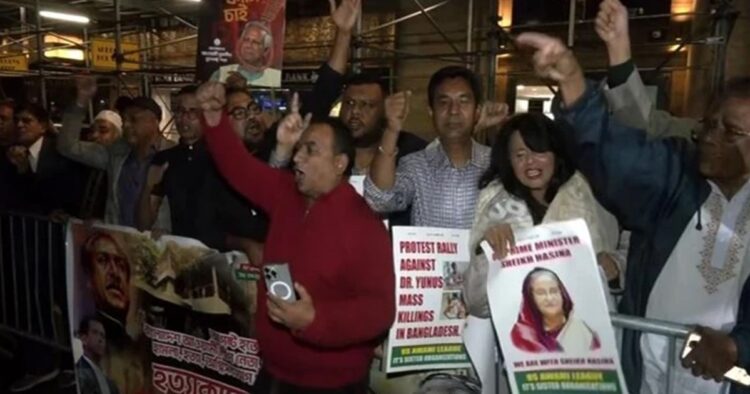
(241, 39)
(430, 311)
(549, 311)
(160, 316)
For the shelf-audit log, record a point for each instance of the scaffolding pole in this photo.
(118, 44)
(406, 17)
(163, 44)
(40, 57)
(87, 63)
(572, 24)
(358, 43)
(724, 18)
(493, 38)
(437, 27)
(470, 33)
(145, 41)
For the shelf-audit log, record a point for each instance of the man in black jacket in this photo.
(47, 181)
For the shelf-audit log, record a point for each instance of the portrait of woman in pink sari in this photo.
(547, 321)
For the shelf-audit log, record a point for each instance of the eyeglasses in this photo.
(708, 126)
(191, 114)
(240, 113)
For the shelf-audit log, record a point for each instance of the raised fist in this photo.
(397, 109)
(212, 98)
(86, 89)
(612, 27)
(492, 114)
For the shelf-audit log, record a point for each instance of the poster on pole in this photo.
(550, 314)
(430, 309)
(241, 38)
(162, 316)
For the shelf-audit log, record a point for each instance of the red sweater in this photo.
(339, 251)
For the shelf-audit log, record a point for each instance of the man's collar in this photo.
(439, 158)
(36, 147)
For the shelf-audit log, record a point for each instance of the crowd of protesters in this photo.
(666, 200)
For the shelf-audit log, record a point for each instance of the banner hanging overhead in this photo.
(241, 38)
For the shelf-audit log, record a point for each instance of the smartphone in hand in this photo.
(279, 281)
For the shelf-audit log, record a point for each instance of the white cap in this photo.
(111, 117)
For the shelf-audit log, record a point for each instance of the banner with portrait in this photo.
(550, 314)
(161, 316)
(241, 38)
(430, 309)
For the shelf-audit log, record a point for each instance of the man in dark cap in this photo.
(126, 160)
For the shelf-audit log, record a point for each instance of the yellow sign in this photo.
(102, 52)
(14, 63)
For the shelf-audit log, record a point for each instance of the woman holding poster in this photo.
(546, 322)
(532, 181)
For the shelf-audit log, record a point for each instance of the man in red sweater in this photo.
(338, 252)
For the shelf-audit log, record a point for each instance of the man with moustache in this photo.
(201, 205)
(248, 122)
(440, 181)
(323, 342)
(107, 267)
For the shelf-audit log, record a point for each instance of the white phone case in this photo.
(279, 281)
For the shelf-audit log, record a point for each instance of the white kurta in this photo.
(701, 284)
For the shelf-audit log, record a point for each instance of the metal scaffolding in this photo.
(484, 41)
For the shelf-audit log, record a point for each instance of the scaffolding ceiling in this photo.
(102, 12)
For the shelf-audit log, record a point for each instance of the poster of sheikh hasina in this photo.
(241, 38)
(167, 316)
(550, 314)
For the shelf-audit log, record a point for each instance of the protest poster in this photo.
(161, 316)
(550, 314)
(430, 309)
(241, 38)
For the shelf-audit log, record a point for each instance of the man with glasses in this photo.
(201, 205)
(689, 213)
(247, 121)
(126, 160)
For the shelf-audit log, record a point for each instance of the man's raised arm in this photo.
(249, 176)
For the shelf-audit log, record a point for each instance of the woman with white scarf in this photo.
(532, 181)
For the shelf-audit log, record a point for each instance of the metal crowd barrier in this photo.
(672, 331)
(33, 288)
(33, 294)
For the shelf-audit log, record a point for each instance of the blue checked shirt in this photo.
(440, 194)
